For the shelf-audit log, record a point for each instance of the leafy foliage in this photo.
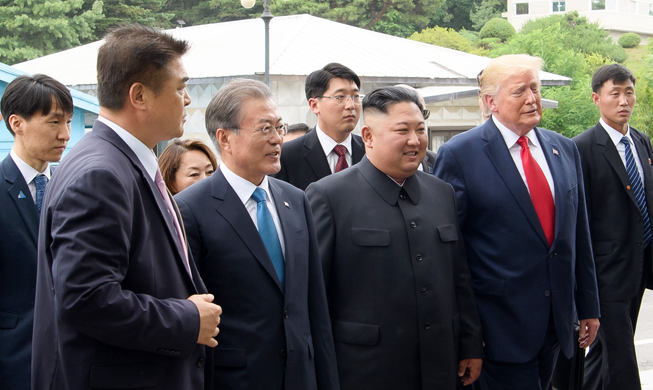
(484, 12)
(629, 40)
(145, 12)
(445, 37)
(498, 28)
(642, 118)
(34, 28)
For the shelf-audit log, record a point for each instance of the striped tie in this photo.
(638, 189)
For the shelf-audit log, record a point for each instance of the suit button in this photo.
(547, 293)
(413, 225)
(402, 197)
(285, 314)
(427, 326)
(424, 290)
(200, 362)
(282, 353)
(419, 257)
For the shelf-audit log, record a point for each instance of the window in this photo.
(633, 7)
(603, 5)
(650, 9)
(522, 8)
(559, 6)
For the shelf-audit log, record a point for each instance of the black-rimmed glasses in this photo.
(281, 129)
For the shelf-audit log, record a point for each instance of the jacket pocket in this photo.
(448, 233)
(488, 286)
(8, 319)
(125, 376)
(230, 356)
(370, 237)
(353, 333)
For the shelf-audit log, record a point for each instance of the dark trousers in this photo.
(611, 362)
(535, 374)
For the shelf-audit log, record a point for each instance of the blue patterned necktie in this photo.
(268, 233)
(40, 181)
(638, 189)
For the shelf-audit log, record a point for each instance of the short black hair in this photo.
(26, 96)
(381, 99)
(298, 128)
(318, 82)
(615, 72)
(131, 54)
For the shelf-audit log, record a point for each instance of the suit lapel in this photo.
(357, 148)
(314, 155)
(560, 185)
(612, 156)
(230, 207)
(24, 203)
(500, 156)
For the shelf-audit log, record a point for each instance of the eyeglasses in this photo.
(282, 129)
(342, 99)
(426, 113)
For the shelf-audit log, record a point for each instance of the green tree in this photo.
(642, 118)
(454, 14)
(484, 12)
(34, 28)
(145, 12)
(445, 37)
(195, 12)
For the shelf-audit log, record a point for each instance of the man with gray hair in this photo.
(521, 205)
(254, 242)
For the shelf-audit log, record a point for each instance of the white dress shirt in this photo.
(145, 155)
(616, 137)
(29, 173)
(328, 144)
(511, 138)
(244, 189)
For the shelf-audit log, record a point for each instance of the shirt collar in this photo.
(614, 134)
(329, 143)
(511, 138)
(26, 170)
(243, 188)
(145, 155)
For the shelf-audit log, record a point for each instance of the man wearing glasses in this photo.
(254, 242)
(333, 94)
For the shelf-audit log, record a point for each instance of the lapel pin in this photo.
(555, 152)
(21, 195)
(649, 161)
(628, 188)
(286, 204)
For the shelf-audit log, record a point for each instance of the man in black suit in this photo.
(399, 290)
(119, 302)
(254, 242)
(37, 111)
(333, 93)
(616, 160)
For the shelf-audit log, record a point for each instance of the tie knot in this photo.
(259, 195)
(340, 150)
(40, 181)
(625, 141)
(523, 141)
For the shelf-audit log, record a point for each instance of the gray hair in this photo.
(224, 110)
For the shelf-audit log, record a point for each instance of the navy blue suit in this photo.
(111, 303)
(19, 224)
(268, 339)
(519, 282)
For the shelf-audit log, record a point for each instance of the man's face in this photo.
(337, 118)
(41, 138)
(248, 154)
(518, 104)
(616, 103)
(396, 142)
(168, 108)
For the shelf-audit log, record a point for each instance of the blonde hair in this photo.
(500, 69)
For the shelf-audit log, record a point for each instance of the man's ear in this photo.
(491, 103)
(138, 95)
(17, 123)
(368, 137)
(223, 137)
(314, 106)
(596, 98)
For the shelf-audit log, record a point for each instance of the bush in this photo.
(498, 28)
(629, 40)
(445, 37)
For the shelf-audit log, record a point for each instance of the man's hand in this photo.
(469, 370)
(209, 318)
(587, 332)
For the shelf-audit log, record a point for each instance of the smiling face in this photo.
(193, 167)
(247, 153)
(41, 138)
(518, 104)
(616, 103)
(335, 119)
(396, 142)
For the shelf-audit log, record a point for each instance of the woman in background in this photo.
(185, 162)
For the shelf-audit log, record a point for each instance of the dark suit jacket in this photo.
(399, 290)
(429, 161)
(518, 280)
(303, 160)
(19, 223)
(265, 335)
(111, 308)
(614, 216)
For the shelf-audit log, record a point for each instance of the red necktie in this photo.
(340, 150)
(540, 191)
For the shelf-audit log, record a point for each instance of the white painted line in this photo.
(644, 342)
